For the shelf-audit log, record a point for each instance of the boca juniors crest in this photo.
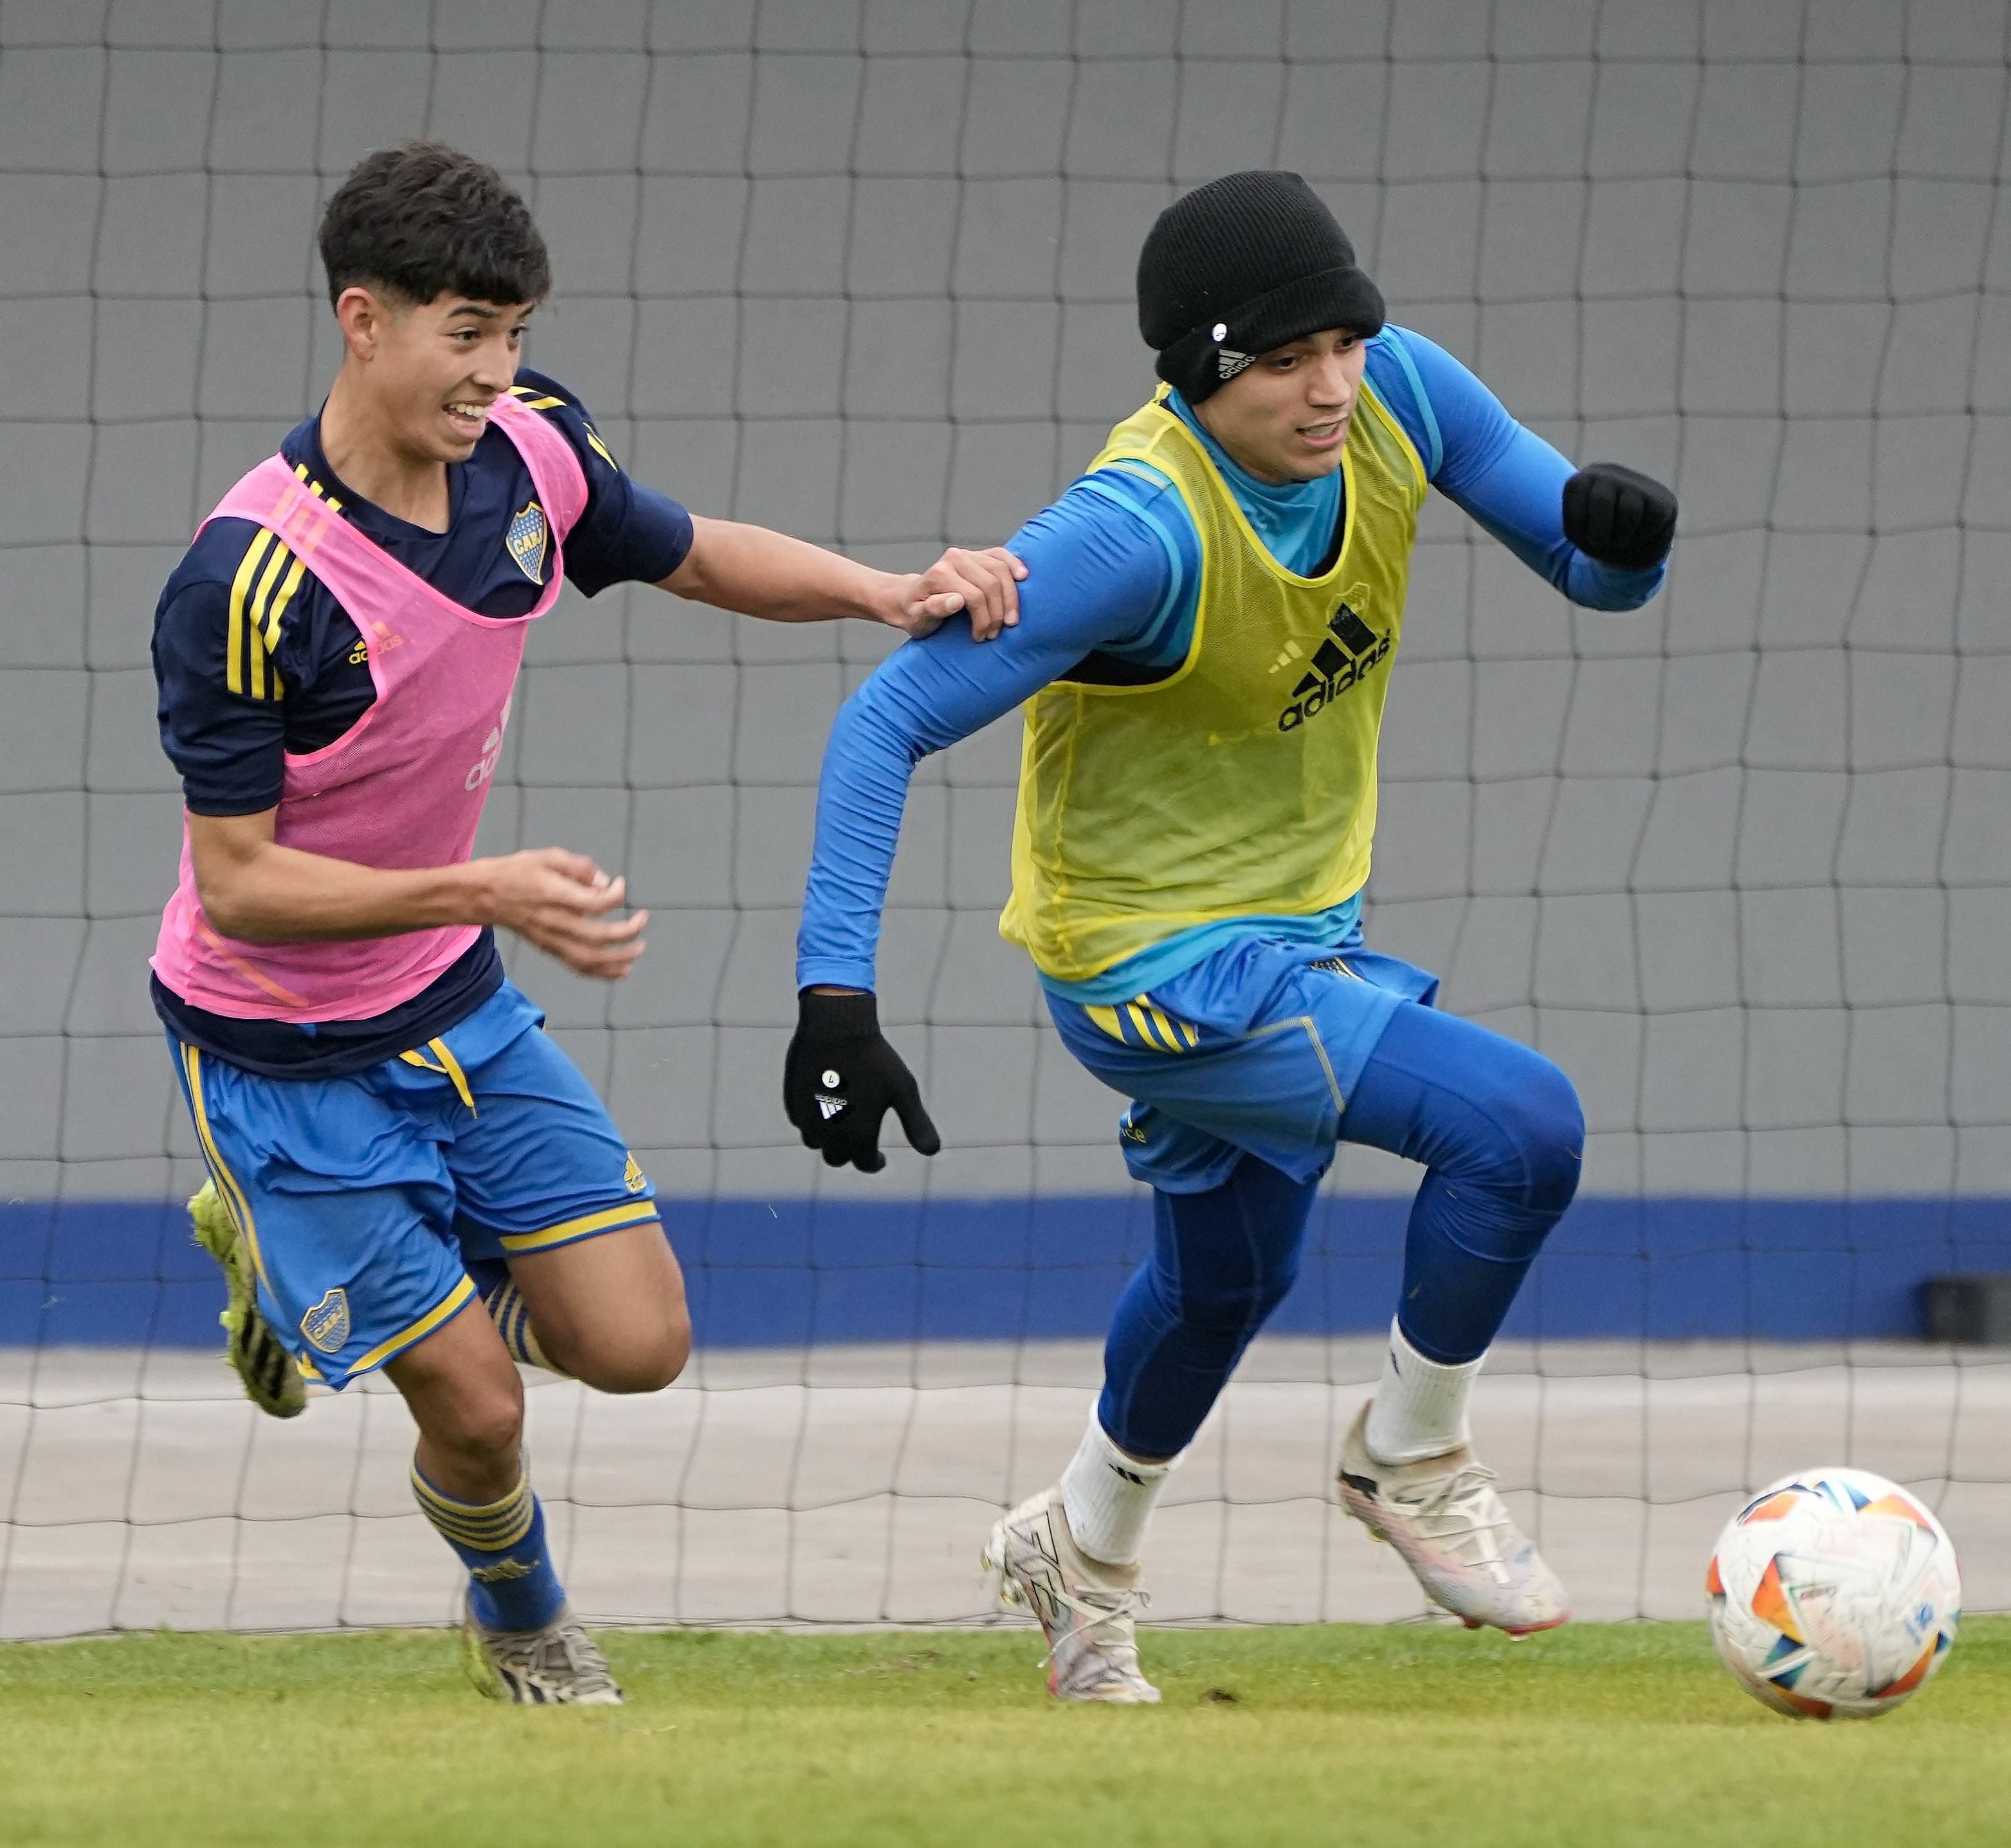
(527, 539)
(327, 1323)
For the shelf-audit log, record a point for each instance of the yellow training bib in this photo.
(1243, 783)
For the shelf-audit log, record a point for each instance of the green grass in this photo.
(1599, 1735)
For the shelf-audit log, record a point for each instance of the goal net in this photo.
(862, 270)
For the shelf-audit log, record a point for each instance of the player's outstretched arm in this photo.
(1097, 578)
(757, 572)
(256, 891)
(1601, 535)
(631, 533)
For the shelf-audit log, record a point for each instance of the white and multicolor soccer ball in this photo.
(1833, 1595)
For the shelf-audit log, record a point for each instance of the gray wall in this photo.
(863, 272)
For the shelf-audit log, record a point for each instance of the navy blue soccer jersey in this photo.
(254, 659)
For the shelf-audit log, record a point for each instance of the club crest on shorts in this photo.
(527, 539)
(326, 1324)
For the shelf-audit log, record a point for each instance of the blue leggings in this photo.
(1500, 1131)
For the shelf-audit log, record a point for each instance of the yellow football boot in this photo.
(272, 1381)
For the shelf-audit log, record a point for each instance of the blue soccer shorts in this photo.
(365, 1198)
(1254, 1050)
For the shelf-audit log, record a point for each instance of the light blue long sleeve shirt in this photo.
(1114, 569)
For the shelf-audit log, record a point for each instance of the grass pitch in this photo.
(1599, 1735)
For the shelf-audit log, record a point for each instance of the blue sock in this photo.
(502, 1543)
(1500, 1130)
(1221, 1262)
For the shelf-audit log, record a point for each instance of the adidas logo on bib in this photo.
(1352, 650)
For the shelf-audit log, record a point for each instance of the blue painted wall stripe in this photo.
(122, 1272)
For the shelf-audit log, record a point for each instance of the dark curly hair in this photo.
(422, 220)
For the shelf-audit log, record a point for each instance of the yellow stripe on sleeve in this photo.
(288, 586)
(260, 598)
(233, 673)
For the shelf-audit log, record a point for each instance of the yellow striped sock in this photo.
(489, 1527)
(512, 1317)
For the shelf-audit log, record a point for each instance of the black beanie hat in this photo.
(1239, 266)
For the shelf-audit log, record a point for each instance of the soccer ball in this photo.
(1833, 1594)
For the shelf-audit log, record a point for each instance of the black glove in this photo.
(1620, 518)
(841, 1077)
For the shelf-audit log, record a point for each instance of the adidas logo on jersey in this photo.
(492, 751)
(1352, 650)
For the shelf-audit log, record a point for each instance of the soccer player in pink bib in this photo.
(394, 1145)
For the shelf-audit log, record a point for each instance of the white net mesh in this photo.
(862, 271)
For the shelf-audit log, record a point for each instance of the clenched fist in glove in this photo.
(1618, 516)
(841, 1077)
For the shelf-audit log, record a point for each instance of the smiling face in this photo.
(431, 370)
(1285, 417)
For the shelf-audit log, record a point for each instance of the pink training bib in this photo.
(404, 786)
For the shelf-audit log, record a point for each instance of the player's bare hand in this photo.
(984, 584)
(561, 902)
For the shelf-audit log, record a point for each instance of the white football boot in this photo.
(1088, 1610)
(1443, 1514)
(557, 1666)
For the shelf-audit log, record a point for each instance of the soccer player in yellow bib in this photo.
(1212, 614)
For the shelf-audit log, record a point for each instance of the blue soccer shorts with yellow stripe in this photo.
(364, 1199)
(1254, 1050)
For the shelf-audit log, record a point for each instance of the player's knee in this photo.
(481, 1425)
(655, 1361)
(644, 1357)
(1545, 1123)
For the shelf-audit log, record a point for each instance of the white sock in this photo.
(1419, 1409)
(1107, 1497)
